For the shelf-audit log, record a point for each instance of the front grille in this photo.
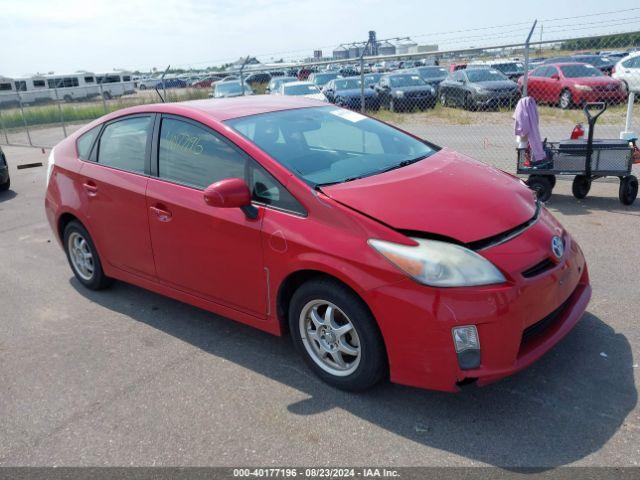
(539, 268)
(538, 328)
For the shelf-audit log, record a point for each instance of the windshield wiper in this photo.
(403, 163)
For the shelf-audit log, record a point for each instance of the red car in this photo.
(569, 84)
(381, 253)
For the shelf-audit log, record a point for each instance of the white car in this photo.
(628, 70)
(305, 89)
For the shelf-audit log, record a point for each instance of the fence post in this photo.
(364, 50)
(525, 77)
(64, 126)
(4, 130)
(104, 100)
(24, 120)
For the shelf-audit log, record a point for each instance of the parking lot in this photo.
(127, 377)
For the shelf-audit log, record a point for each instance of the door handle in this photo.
(91, 188)
(162, 214)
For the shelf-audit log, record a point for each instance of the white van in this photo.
(8, 94)
(32, 89)
(75, 86)
(116, 84)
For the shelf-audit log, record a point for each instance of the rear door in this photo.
(114, 184)
(214, 253)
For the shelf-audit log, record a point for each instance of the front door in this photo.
(214, 253)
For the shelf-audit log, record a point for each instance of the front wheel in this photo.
(83, 257)
(566, 99)
(5, 186)
(628, 189)
(337, 336)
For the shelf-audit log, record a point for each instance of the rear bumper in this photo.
(615, 96)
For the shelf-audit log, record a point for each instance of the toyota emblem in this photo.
(557, 247)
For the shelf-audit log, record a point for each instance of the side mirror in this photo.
(231, 193)
(555, 76)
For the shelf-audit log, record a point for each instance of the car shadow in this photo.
(561, 409)
(569, 205)
(7, 195)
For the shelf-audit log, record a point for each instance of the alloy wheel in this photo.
(81, 256)
(330, 338)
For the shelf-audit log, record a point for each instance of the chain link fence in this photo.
(463, 99)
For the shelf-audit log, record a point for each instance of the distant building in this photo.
(340, 53)
(317, 54)
(386, 48)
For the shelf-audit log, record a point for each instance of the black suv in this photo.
(5, 181)
(403, 91)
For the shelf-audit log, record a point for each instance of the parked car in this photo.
(304, 89)
(475, 88)
(257, 77)
(432, 75)
(454, 67)
(383, 255)
(570, 84)
(148, 82)
(348, 72)
(171, 82)
(604, 64)
(230, 89)
(275, 83)
(346, 92)
(303, 73)
(627, 71)
(205, 82)
(5, 179)
(402, 91)
(512, 70)
(320, 79)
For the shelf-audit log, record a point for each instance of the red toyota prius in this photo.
(381, 253)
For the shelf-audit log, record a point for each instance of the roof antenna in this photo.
(164, 86)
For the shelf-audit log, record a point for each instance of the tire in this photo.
(5, 186)
(565, 100)
(360, 371)
(628, 190)
(142, 87)
(541, 185)
(392, 105)
(93, 278)
(67, 98)
(581, 186)
(468, 102)
(552, 179)
(106, 96)
(443, 99)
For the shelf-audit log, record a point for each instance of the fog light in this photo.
(467, 345)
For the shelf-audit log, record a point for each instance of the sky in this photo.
(102, 35)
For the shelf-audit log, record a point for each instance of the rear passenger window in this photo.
(196, 157)
(123, 144)
(85, 141)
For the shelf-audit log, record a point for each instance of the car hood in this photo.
(594, 81)
(316, 96)
(446, 194)
(415, 88)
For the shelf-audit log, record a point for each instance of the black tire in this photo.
(541, 185)
(142, 87)
(98, 280)
(468, 102)
(372, 366)
(581, 186)
(67, 98)
(392, 105)
(5, 186)
(628, 190)
(565, 100)
(552, 179)
(443, 99)
(106, 95)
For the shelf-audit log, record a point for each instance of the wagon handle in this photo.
(599, 107)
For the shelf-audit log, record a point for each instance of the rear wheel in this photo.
(541, 185)
(443, 99)
(468, 102)
(392, 105)
(581, 186)
(566, 99)
(83, 257)
(337, 336)
(5, 186)
(628, 189)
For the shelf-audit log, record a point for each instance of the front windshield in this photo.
(433, 72)
(484, 75)
(325, 145)
(578, 71)
(304, 89)
(322, 78)
(405, 80)
(347, 84)
(594, 60)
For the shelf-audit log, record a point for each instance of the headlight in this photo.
(584, 88)
(482, 91)
(399, 93)
(440, 264)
